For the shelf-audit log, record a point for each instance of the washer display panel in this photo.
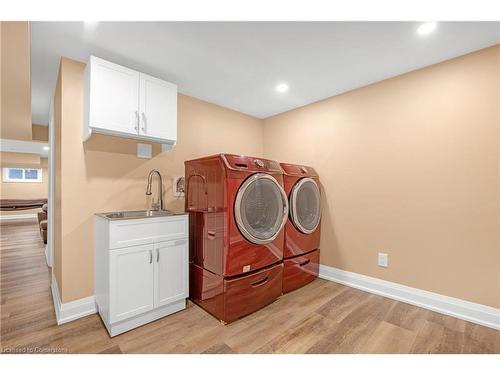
(261, 208)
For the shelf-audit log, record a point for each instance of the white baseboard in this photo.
(66, 312)
(136, 321)
(473, 312)
(47, 256)
(17, 217)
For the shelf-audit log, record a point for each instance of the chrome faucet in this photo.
(159, 205)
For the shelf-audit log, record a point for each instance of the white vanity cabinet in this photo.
(131, 282)
(141, 269)
(171, 280)
(124, 102)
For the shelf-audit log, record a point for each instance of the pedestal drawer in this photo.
(300, 270)
(246, 294)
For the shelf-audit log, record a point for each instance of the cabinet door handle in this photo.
(143, 127)
(136, 126)
(150, 256)
(157, 255)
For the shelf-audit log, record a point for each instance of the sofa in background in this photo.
(42, 222)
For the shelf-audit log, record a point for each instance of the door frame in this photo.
(49, 250)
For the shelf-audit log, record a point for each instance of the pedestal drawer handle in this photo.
(260, 282)
(304, 263)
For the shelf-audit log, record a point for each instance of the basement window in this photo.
(22, 175)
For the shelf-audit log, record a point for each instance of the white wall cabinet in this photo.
(123, 102)
(146, 280)
(157, 108)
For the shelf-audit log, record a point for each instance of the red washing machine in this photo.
(237, 212)
(302, 230)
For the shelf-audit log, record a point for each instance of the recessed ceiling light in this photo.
(282, 87)
(90, 25)
(426, 28)
(46, 148)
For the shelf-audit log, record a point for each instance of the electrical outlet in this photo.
(179, 186)
(383, 260)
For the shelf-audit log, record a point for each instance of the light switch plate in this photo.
(144, 151)
(383, 260)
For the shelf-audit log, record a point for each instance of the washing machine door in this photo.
(261, 208)
(305, 205)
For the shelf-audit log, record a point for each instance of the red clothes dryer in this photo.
(237, 211)
(303, 228)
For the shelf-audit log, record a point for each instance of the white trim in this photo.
(47, 255)
(51, 173)
(17, 217)
(473, 312)
(66, 312)
(25, 147)
(147, 317)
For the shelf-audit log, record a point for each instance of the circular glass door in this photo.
(305, 205)
(261, 208)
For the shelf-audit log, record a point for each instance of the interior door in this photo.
(131, 281)
(114, 103)
(158, 108)
(305, 205)
(261, 208)
(171, 271)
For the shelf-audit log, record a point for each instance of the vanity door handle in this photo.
(150, 256)
(143, 127)
(157, 255)
(136, 126)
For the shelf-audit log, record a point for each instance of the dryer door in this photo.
(305, 205)
(261, 208)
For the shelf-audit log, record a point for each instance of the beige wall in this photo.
(15, 119)
(40, 133)
(23, 190)
(104, 173)
(409, 166)
(19, 190)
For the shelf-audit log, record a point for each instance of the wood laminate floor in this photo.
(323, 317)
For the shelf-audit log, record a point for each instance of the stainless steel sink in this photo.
(124, 215)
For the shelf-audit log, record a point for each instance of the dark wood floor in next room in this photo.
(323, 317)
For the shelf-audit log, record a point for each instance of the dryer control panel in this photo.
(249, 163)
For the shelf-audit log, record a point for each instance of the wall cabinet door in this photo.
(158, 108)
(131, 281)
(171, 271)
(114, 97)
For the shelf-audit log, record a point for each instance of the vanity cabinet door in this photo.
(171, 271)
(158, 108)
(114, 98)
(131, 281)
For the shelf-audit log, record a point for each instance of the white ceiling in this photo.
(238, 64)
